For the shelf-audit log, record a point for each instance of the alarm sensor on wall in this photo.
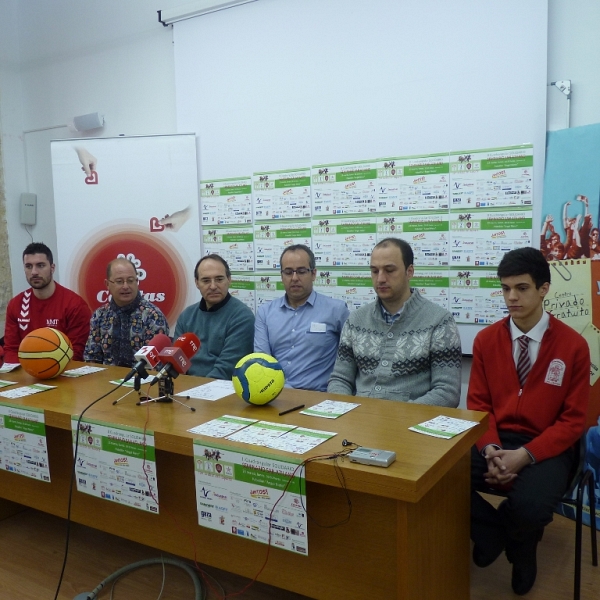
(28, 208)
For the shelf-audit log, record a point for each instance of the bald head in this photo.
(121, 281)
(124, 262)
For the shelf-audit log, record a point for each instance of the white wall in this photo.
(574, 53)
(337, 93)
(11, 114)
(65, 58)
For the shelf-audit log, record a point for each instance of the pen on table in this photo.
(289, 410)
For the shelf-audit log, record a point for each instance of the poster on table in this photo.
(116, 463)
(569, 239)
(23, 448)
(139, 201)
(251, 495)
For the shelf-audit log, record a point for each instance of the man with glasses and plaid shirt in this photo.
(301, 329)
(224, 324)
(401, 346)
(126, 322)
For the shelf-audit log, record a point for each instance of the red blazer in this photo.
(551, 407)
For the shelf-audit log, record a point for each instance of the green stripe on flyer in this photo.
(436, 432)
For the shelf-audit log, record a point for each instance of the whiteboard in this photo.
(281, 84)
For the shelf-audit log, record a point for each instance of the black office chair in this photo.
(581, 479)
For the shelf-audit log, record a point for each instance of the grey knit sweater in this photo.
(417, 359)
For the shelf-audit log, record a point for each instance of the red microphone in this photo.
(148, 356)
(177, 358)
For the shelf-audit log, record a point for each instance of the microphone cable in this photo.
(300, 468)
(64, 564)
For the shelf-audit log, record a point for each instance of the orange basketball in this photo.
(45, 353)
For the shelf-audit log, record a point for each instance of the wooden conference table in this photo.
(408, 535)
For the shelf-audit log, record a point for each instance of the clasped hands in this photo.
(504, 465)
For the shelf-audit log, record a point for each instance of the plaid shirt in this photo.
(388, 316)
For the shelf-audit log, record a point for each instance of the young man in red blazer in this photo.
(531, 372)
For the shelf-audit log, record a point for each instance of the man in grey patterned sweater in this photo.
(401, 346)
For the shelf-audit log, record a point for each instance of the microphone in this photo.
(148, 356)
(176, 358)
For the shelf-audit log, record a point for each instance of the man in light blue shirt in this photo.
(301, 329)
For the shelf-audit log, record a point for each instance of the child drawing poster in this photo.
(570, 208)
(569, 236)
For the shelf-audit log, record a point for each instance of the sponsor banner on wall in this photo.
(128, 197)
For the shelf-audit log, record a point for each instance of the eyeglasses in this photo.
(300, 272)
(122, 282)
(217, 280)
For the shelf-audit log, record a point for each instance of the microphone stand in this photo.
(165, 388)
(137, 384)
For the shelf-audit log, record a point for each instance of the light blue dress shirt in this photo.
(304, 340)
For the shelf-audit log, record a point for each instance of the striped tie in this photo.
(524, 363)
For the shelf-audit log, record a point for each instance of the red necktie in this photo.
(524, 363)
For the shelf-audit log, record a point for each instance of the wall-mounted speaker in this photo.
(87, 122)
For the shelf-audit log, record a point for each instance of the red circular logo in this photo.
(162, 277)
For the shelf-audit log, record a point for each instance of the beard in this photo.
(39, 283)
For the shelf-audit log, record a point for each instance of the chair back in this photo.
(578, 465)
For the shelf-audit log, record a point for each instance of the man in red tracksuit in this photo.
(45, 304)
(531, 372)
